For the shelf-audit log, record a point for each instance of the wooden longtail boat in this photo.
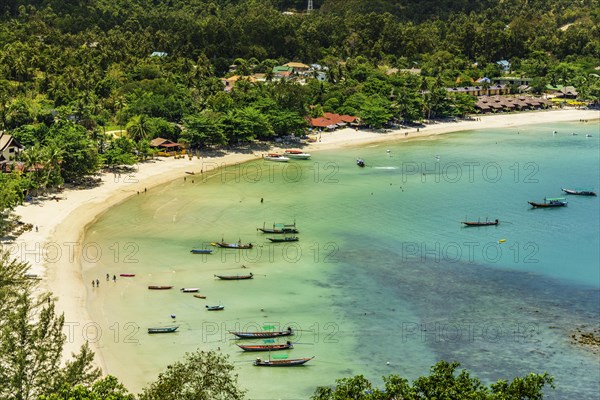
(235, 277)
(480, 223)
(580, 192)
(200, 296)
(214, 308)
(266, 347)
(284, 240)
(158, 287)
(127, 275)
(201, 251)
(281, 363)
(279, 229)
(549, 202)
(237, 245)
(263, 335)
(167, 329)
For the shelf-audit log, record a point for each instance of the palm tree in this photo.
(53, 155)
(137, 128)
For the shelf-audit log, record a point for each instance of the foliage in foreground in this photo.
(443, 383)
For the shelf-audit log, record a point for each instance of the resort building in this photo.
(165, 146)
(297, 67)
(489, 104)
(232, 80)
(9, 147)
(332, 121)
(483, 90)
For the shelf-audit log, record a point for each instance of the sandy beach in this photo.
(54, 246)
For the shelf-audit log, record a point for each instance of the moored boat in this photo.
(166, 329)
(581, 192)
(235, 277)
(279, 228)
(549, 202)
(159, 287)
(201, 251)
(238, 245)
(480, 223)
(214, 308)
(297, 154)
(282, 363)
(263, 335)
(283, 240)
(276, 157)
(200, 296)
(189, 289)
(127, 275)
(266, 347)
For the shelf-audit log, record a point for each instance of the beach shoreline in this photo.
(53, 248)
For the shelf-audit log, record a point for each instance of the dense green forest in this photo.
(73, 70)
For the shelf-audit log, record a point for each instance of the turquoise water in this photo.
(384, 279)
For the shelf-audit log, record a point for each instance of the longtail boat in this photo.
(581, 192)
(549, 202)
(237, 245)
(158, 287)
(167, 329)
(284, 240)
(480, 223)
(200, 296)
(201, 251)
(189, 289)
(235, 277)
(263, 335)
(266, 347)
(127, 275)
(214, 308)
(279, 229)
(281, 363)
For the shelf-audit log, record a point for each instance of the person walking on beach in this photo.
(93, 283)
(114, 278)
(97, 283)
(107, 277)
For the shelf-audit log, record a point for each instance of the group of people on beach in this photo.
(96, 282)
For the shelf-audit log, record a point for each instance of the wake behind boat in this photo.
(580, 192)
(549, 202)
(480, 223)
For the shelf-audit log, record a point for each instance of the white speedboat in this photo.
(276, 157)
(297, 154)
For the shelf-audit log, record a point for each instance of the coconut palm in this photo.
(137, 128)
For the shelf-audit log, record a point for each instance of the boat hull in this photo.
(262, 335)
(201, 251)
(579, 192)
(547, 205)
(170, 329)
(281, 363)
(234, 277)
(265, 347)
(234, 245)
(154, 287)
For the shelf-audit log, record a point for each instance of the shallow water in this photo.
(384, 279)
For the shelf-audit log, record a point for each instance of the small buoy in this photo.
(388, 363)
(501, 240)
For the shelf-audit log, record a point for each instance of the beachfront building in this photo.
(331, 121)
(493, 104)
(483, 90)
(9, 148)
(166, 147)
